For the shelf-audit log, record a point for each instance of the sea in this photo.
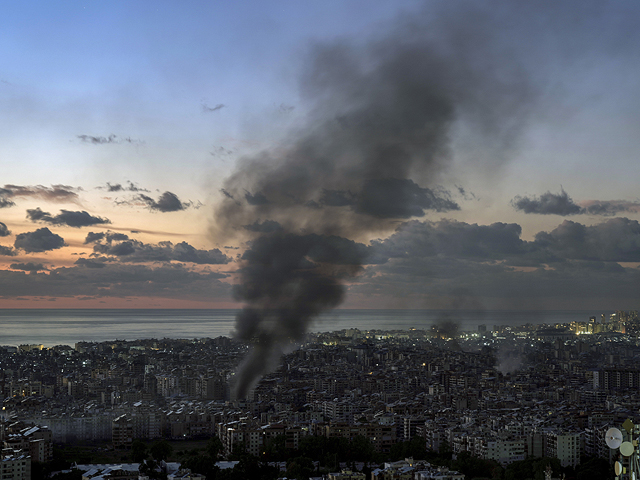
(69, 326)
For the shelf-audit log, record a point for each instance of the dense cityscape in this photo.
(351, 404)
(192, 189)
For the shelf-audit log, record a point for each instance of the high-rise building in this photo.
(122, 431)
(15, 467)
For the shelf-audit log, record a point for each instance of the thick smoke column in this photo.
(285, 285)
(368, 156)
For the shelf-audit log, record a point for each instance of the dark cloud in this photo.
(7, 251)
(66, 217)
(124, 249)
(94, 237)
(183, 252)
(424, 263)
(207, 109)
(95, 262)
(616, 240)
(219, 151)
(129, 250)
(28, 267)
(114, 139)
(5, 203)
(609, 208)
(41, 240)
(38, 215)
(268, 226)
(55, 193)
(167, 202)
(108, 236)
(429, 282)
(129, 187)
(226, 194)
(465, 194)
(117, 280)
(98, 140)
(134, 141)
(4, 231)
(561, 204)
(547, 204)
(450, 238)
(118, 237)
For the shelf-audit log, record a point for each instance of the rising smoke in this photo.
(368, 156)
(508, 360)
(445, 328)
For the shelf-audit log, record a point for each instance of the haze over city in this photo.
(472, 155)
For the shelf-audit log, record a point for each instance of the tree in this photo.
(203, 465)
(239, 451)
(361, 449)
(340, 448)
(38, 470)
(474, 467)
(161, 450)
(445, 450)
(416, 448)
(214, 448)
(139, 450)
(531, 468)
(276, 449)
(300, 468)
(250, 468)
(594, 469)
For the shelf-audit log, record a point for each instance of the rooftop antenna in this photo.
(627, 466)
(614, 438)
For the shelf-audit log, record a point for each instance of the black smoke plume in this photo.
(287, 280)
(445, 328)
(368, 155)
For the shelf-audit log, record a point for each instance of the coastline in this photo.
(68, 326)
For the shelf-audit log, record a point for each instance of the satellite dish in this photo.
(618, 468)
(626, 449)
(613, 437)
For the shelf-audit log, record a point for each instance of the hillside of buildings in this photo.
(346, 404)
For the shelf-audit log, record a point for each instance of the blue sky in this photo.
(179, 98)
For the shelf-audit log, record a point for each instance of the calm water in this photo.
(66, 327)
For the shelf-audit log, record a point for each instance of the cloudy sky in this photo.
(463, 154)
